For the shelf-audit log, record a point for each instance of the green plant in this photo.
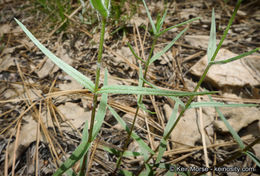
(81, 152)
(55, 9)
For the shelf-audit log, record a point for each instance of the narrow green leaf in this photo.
(171, 122)
(85, 132)
(235, 58)
(168, 173)
(162, 149)
(218, 104)
(150, 84)
(101, 110)
(173, 118)
(75, 156)
(229, 127)
(159, 54)
(150, 18)
(172, 97)
(226, 30)
(111, 150)
(160, 20)
(126, 173)
(142, 106)
(140, 83)
(148, 171)
(178, 100)
(213, 38)
(123, 89)
(84, 139)
(143, 146)
(133, 52)
(70, 172)
(177, 25)
(253, 157)
(131, 154)
(64, 66)
(102, 6)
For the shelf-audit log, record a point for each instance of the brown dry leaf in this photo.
(49, 67)
(256, 15)
(202, 41)
(72, 84)
(113, 81)
(257, 150)
(238, 118)
(7, 58)
(186, 13)
(138, 20)
(27, 136)
(5, 28)
(75, 114)
(232, 74)
(123, 51)
(128, 118)
(134, 147)
(253, 65)
(18, 91)
(6, 62)
(187, 130)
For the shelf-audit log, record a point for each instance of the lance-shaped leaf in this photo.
(143, 146)
(235, 58)
(75, 156)
(253, 157)
(86, 82)
(212, 39)
(217, 104)
(170, 123)
(177, 25)
(150, 18)
(123, 89)
(160, 21)
(229, 127)
(159, 54)
(101, 110)
(102, 6)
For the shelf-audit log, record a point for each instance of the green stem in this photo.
(137, 109)
(199, 83)
(99, 59)
(95, 97)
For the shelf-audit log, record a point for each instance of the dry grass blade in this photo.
(35, 92)
(16, 145)
(203, 136)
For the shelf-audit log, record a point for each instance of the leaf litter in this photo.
(64, 117)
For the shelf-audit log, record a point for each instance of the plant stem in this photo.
(200, 81)
(99, 59)
(95, 97)
(137, 109)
